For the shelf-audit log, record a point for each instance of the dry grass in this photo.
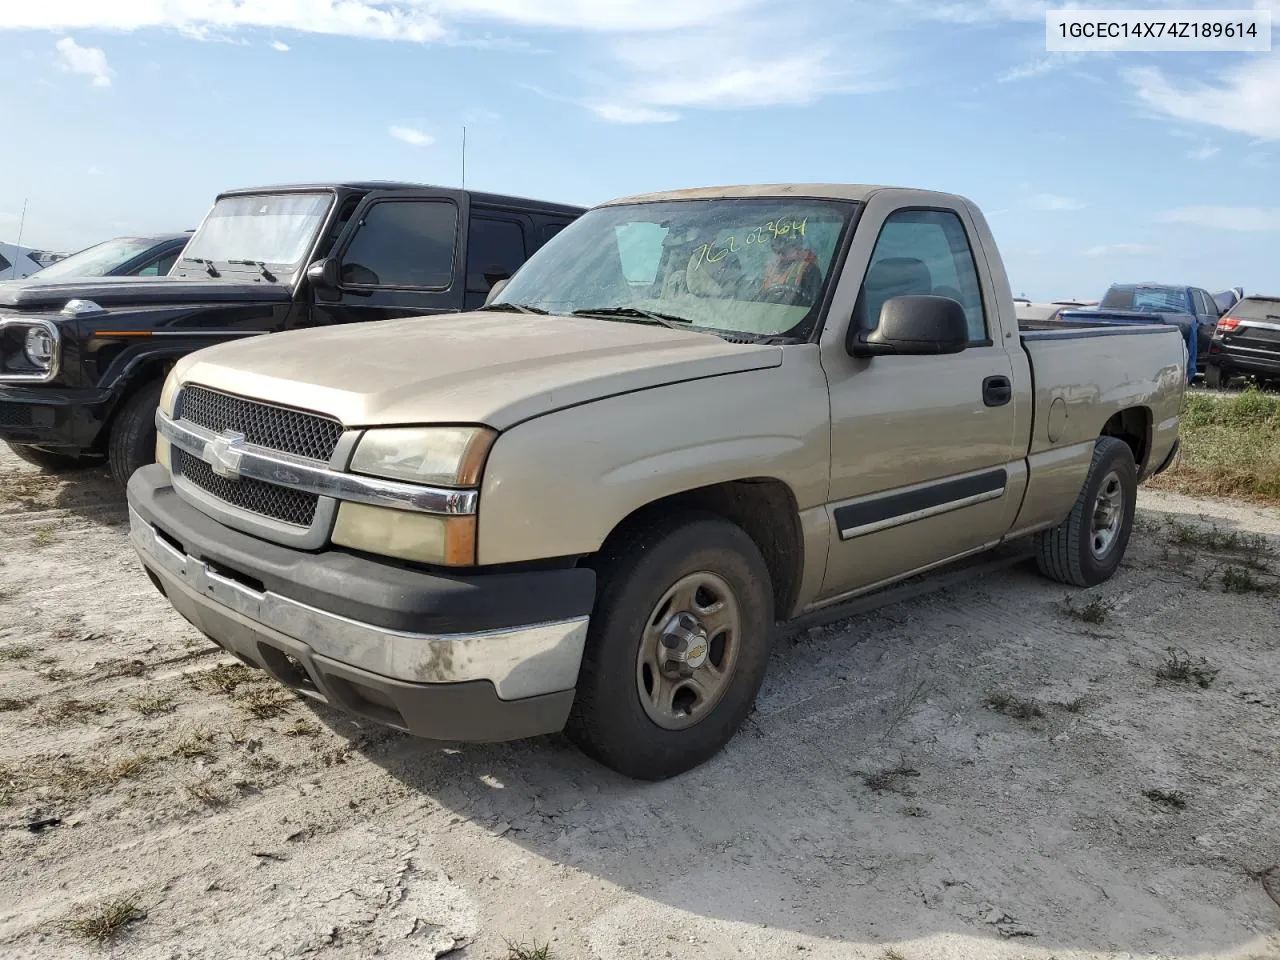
(151, 705)
(302, 728)
(225, 678)
(209, 792)
(1095, 611)
(534, 951)
(72, 710)
(197, 743)
(65, 778)
(890, 779)
(1183, 668)
(1173, 799)
(265, 702)
(1016, 707)
(13, 704)
(1244, 580)
(106, 921)
(1230, 448)
(18, 651)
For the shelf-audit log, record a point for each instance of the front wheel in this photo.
(677, 649)
(1087, 547)
(132, 443)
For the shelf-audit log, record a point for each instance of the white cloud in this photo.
(1207, 152)
(1037, 68)
(1245, 98)
(624, 113)
(1242, 219)
(87, 60)
(481, 115)
(1117, 249)
(278, 45)
(412, 136)
(643, 60)
(1052, 202)
(94, 171)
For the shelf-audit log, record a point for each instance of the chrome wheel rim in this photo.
(689, 650)
(1108, 516)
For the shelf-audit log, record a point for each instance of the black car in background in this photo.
(119, 257)
(1246, 342)
(82, 361)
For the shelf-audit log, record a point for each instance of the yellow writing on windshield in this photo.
(717, 250)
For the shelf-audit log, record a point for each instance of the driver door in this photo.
(398, 257)
(926, 463)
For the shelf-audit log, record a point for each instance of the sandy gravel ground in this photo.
(877, 806)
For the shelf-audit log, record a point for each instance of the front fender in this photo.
(558, 485)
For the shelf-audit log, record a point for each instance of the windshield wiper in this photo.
(664, 319)
(266, 274)
(515, 308)
(207, 264)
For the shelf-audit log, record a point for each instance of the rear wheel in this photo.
(51, 462)
(133, 434)
(678, 646)
(1087, 547)
(1214, 378)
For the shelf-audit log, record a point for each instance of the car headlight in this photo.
(432, 456)
(41, 347)
(451, 457)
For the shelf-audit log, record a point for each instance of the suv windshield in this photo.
(738, 266)
(1147, 299)
(273, 228)
(95, 261)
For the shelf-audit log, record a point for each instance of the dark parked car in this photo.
(82, 361)
(121, 257)
(1246, 341)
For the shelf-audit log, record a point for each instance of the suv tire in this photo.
(1087, 547)
(651, 723)
(132, 443)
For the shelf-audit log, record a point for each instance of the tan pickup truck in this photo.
(689, 416)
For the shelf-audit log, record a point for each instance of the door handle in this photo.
(996, 391)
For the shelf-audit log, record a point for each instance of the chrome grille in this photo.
(265, 499)
(302, 434)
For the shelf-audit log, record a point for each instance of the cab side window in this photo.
(403, 243)
(923, 252)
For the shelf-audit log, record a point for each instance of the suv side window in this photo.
(923, 252)
(492, 244)
(1207, 306)
(159, 268)
(403, 243)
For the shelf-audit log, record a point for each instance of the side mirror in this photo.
(913, 325)
(325, 274)
(496, 289)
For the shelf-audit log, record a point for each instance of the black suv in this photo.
(82, 361)
(121, 257)
(1246, 341)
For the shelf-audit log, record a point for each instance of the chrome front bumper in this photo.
(520, 662)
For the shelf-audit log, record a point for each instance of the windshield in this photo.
(737, 266)
(1147, 299)
(96, 261)
(276, 229)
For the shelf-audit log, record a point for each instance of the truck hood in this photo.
(490, 368)
(125, 291)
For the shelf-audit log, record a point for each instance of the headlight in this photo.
(432, 456)
(41, 347)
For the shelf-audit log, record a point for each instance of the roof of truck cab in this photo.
(820, 191)
(367, 185)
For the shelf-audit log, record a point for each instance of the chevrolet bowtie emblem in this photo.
(223, 454)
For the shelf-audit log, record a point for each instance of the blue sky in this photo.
(131, 115)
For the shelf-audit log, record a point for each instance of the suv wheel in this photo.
(132, 443)
(677, 649)
(1215, 378)
(1087, 547)
(51, 462)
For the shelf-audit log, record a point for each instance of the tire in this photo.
(1214, 378)
(51, 462)
(1067, 552)
(613, 715)
(132, 443)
